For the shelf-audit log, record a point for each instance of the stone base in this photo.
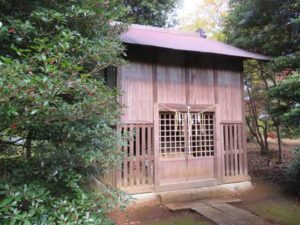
(140, 198)
(220, 191)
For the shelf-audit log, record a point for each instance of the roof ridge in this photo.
(184, 41)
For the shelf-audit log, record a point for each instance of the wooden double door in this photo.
(186, 147)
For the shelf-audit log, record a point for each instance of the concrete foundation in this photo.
(220, 191)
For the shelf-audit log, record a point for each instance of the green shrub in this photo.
(57, 115)
(35, 194)
(33, 203)
(292, 174)
(23, 204)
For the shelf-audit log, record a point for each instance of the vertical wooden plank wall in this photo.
(180, 78)
(137, 88)
(171, 78)
(232, 124)
(201, 79)
(229, 95)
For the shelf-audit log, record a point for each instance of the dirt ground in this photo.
(266, 199)
(265, 167)
(151, 212)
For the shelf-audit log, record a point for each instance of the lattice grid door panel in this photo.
(202, 135)
(181, 136)
(171, 137)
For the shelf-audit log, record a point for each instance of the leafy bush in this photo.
(34, 204)
(57, 115)
(30, 194)
(292, 173)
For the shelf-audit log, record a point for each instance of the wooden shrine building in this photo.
(184, 111)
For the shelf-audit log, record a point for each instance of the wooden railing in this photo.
(234, 152)
(136, 172)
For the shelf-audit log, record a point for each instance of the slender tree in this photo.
(257, 120)
(271, 28)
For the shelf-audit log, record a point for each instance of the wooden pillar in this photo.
(219, 154)
(156, 147)
(244, 127)
(187, 79)
(155, 127)
(118, 168)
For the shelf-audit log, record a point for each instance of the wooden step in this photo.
(198, 203)
(238, 214)
(220, 212)
(216, 215)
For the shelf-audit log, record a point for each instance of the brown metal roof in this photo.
(171, 39)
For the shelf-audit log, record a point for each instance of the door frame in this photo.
(186, 183)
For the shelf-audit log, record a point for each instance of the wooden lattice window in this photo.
(171, 137)
(182, 137)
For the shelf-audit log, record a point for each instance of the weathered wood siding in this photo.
(171, 77)
(201, 79)
(137, 92)
(154, 78)
(179, 78)
(229, 95)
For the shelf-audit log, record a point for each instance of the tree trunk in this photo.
(265, 135)
(253, 125)
(280, 157)
(262, 141)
